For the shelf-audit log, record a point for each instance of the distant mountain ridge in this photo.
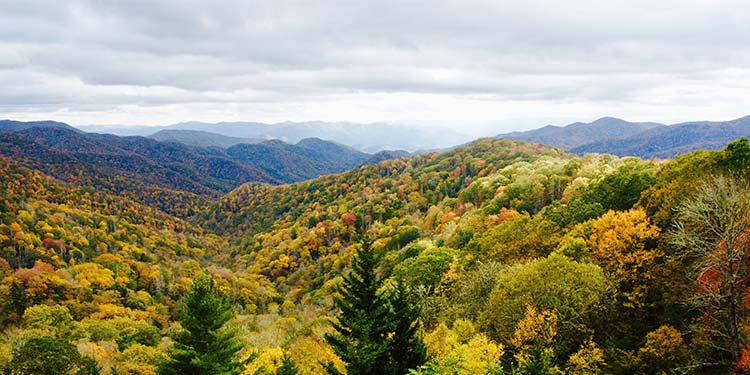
(200, 138)
(309, 158)
(669, 141)
(11, 125)
(579, 133)
(644, 139)
(370, 137)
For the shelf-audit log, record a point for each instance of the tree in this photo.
(624, 245)
(45, 355)
(361, 338)
(204, 346)
(532, 342)
(406, 347)
(375, 332)
(579, 294)
(621, 189)
(287, 367)
(712, 235)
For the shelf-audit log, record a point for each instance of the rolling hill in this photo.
(645, 139)
(371, 137)
(579, 133)
(11, 125)
(669, 141)
(309, 158)
(169, 175)
(176, 177)
(200, 138)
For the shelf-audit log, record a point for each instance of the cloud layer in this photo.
(451, 62)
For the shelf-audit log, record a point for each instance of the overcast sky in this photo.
(465, 64)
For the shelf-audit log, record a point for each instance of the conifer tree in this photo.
(375, 333)
(203, 347)
(287, 367)
(362, 328)
(406, 347)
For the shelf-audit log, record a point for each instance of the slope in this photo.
(307, 159)
(168, 175)
(200, 138)
(579, 133)
(666, 142)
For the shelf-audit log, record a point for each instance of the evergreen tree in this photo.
(17, 298)
(203, 347)
(407, 349)
(287, 367)
(362, 327)
(375, 333)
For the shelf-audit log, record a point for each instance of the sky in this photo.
(475, 66)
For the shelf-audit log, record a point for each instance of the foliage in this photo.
(287, 367)
(375, 332)
(203, 346)
(482, 248)
(579, 295)
(45, 355)
(711, 234)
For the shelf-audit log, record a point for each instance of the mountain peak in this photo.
(609, 120)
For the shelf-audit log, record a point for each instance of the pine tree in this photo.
(362, 327)
(287, 367)
(407, 351)
(203, 347)
(375, 333)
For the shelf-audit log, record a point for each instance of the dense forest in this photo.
(498, 257)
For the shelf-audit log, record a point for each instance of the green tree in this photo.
(204, 346)
(407, 349)
(287, 366)
(361, 339)
(376, 333)
(579, 294)
(621, 189)
(45, 355)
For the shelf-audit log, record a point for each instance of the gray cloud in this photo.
(248, 56)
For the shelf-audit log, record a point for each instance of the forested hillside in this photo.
(498, 257)
(642, 139)
(176, 178)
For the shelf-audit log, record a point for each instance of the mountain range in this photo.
(372, 137)
(200, 138)
(151, 171)
(643, 139)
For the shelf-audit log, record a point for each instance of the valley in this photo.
(515, 256)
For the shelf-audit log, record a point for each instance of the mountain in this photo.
(371, 137)
(386, 155)
(169, 175)
(309, 158)
(643, 139)
(10, 125)
(669, 141)
(199, 138)
(173, 176)
(580, 133)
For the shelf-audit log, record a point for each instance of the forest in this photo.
(497, 257)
